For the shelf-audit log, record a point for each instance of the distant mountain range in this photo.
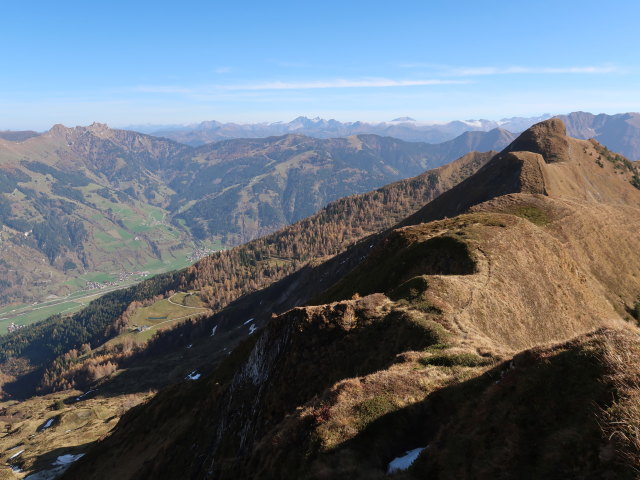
(71, 196)
(620, 132)
(18, 136)
(404, 128)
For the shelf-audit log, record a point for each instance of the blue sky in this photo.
(178, 62)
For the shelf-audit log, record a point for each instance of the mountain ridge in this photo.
(164, 200)
(488, 280)
(353, 334)
(404, 128)
(619, 132)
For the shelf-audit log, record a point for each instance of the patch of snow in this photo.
(16, 454)
(252, 329)
(473, 123)
(48, 424)
(213, 330)
(67, 459)
(16, 468)
(402, 463)
(193, 375)
(62, 463)
(85, 394)
(248, 321)
(403, 120)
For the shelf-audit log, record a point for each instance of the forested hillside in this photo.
(71, 197)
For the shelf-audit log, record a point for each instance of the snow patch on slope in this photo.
(402, 463)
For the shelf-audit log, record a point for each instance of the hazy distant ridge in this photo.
(403, 128)
(620, 132)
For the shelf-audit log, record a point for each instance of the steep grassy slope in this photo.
(574, 399)
(418, 345)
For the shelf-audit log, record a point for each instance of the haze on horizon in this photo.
(162, 63)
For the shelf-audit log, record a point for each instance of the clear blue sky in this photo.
(176, 62)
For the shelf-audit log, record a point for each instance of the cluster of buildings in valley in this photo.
(199, 253)
(194, 256)
(13, 327)
(100, 285)
(122, 277)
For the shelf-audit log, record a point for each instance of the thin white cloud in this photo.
(279, 85)
(434, 66)
(161, 89)
(223, 70)
(532, 70)
(512, 70)
(288, 64)
(341, 83)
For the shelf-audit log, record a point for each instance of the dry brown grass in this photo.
(621, 420)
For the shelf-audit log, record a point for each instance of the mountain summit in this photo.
(404, 119)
